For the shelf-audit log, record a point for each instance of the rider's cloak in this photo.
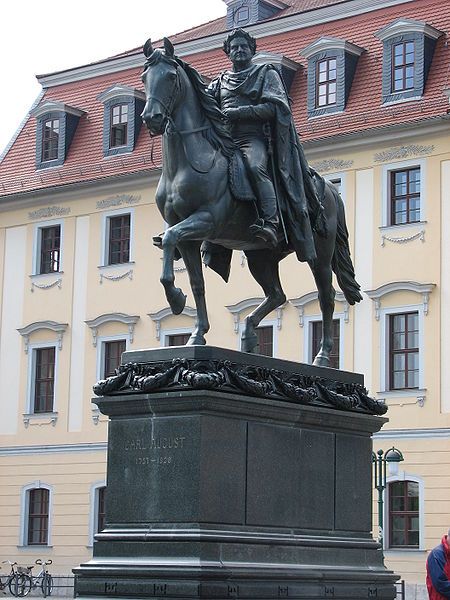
(295, 190)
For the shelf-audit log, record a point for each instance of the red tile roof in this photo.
(364, 110)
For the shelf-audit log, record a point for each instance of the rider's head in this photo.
(239, 33)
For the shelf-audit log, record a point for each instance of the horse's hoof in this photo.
(249, 343)
(321, 360)
(196, 340)
(177, 301)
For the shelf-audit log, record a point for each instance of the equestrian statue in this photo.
(234, 177)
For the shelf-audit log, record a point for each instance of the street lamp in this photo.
(380, 460)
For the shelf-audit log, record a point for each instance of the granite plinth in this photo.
(216, 494)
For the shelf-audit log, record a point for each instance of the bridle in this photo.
(170, 126)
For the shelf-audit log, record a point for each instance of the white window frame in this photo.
(385, 313)
(264, 323)
(402, 476)
(31, 377)
(24, 507)
(386, 191)
(37, 239)
(165, 333)
(307, 338)
(101, 340)
(343, 179)
(93, 513)
(106, 218)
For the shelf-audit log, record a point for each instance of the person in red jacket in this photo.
(438, 570)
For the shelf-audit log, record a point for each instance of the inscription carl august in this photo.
(155, 444)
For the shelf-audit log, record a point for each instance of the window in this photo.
(317, 336)
(112, 353)
(50, 139)
(119, 239)
(44, 379)
(56, 124)
(405, 196)
(332, 65)
(404, 522)
(119, 125)
(408, 48)
(404, 351)
(326, 82)
(100, 509)
(177, 339)
(38, 516)
(265, 340)
(50, 246)
(402, 66)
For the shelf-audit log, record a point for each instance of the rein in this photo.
(171, 128)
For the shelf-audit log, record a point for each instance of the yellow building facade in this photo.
(74, 315)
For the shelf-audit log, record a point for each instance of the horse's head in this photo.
(161, 83)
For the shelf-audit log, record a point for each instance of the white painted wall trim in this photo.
(165, 333)
(37, 238)
(93, 512)
(384, 346)
(307, 338)
(159, 316)
(402, 476)
(106, 217)
(29, 408)
(56, 449)
(386, 187)
(432, 433)
(24, 506)
(264, 323)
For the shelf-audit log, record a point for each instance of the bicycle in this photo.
(43, 579)
(19, 583)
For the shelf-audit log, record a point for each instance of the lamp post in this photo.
(380, 460)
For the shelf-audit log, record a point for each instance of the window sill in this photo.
(32, 547)
(48, 418)
(37, 276)
(328, 113)
(116, 266)
(419, 396)
(403, 226)
(401, 100)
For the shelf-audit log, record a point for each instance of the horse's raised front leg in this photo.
(263, 265)
(324, 281)
(190, 251)
(196, 227)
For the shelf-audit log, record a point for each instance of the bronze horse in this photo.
(195, 199)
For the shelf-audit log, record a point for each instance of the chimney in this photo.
(248, 12)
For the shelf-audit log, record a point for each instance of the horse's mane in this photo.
(218, 135)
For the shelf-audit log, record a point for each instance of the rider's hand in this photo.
(232, 114)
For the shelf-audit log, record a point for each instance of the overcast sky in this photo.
(52, 35)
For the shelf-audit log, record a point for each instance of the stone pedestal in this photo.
(236, 476)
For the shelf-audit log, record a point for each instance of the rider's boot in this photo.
(266, 226)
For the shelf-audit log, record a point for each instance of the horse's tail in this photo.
(341, 261)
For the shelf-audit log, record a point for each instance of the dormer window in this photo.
(331, 68)
(408, 48)
(403, 66)
(121, 123)
(50, 139)
(248, 12)
(326, 82)
(56, 125)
